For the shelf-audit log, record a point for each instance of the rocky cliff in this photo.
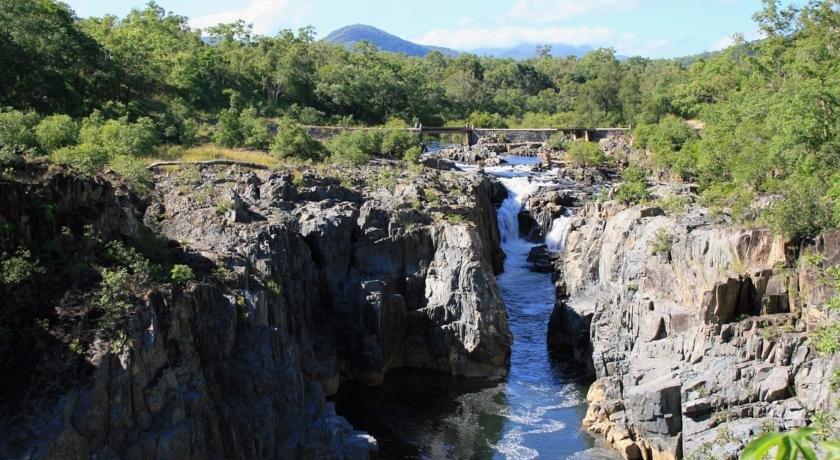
(700, 335)
(303, 279)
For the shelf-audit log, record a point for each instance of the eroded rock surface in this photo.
(302, 282)
(697, 332)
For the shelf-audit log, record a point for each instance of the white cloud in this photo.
(267, 16)
(723, 43)
(471, 38)
(729, 40)
(558, 10)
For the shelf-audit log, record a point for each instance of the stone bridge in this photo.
(472, 136)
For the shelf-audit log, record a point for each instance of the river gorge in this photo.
(495, 308)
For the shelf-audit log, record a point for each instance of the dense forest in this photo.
(112, 90)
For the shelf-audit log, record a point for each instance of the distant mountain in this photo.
(529, 50)
(350, 35)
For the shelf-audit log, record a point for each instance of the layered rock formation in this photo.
(698, 334)
(303, 282)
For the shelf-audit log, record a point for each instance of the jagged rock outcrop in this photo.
(693, 330)
(319, 282)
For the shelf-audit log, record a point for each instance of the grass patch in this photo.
(208, 152)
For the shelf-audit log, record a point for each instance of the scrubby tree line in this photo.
(110, 89)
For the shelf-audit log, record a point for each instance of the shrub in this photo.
(669, 135)
(18, 268)
(16, 135)
(181, 274)
(133, 169)
(582, 153)
(114, 299)
(83, 158)
(395, 142)
(119, 137)
(662, 242)
(634, 188)
(557, 141)
(228, 131)
(292, 141)
(826, 338)
(255, 134)
(355, 147)
(413, 154)
(486, 120)
(801, 213)
(56, 131)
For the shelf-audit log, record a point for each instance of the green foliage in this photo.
(119, 137)
(229, 132)
(114, 300)
(557, 141)
(18, 268)
(83, 158)
(801, 212)
(181, 274)
(412, 154)
(662, 242)
(486, 120)
(355, 147)
(292, 141)
(255, 134)
(826, 338)
(586, 154)
(132, 169)
(16, 134)
(396, 142)
(633, 188)
(673, 205)
(789, 446)
(55, 132)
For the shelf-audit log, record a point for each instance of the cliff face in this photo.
(697, 333)
(303, 282)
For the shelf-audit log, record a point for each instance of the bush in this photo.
(800, 213)
(133, 169)
(395, 142)
(634, 187)
(16, 135)
(662, 242)
(582, 153)
(292, 141)
(55, 132)
(669, 135)
(182, 274)
(120, 137)
(228, 131)
(18, 268)
(413, 154)
(486, 120)
(557, 141)
(255, 134)
(355, 147)
(83, 158)
(114, 299)
(826, 338)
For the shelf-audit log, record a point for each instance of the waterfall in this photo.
(519, 188)
(556, 239)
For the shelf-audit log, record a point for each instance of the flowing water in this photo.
(535, 413)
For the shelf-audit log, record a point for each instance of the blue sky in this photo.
(651, 28)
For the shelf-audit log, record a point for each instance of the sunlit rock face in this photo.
(696, 332)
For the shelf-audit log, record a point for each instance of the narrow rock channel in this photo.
(535, 413)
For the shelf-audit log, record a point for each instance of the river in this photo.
(535, 412)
